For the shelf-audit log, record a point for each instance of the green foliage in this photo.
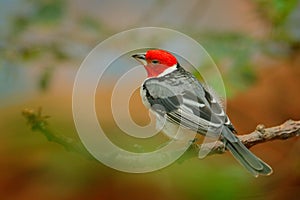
(35, 119)
(20, 24)
(43, 12)
(233, 54)
(45, 78)
(90, 23)
(276, 11)
(279, 15)
(48, 11)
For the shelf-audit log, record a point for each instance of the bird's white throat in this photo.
(168, 70)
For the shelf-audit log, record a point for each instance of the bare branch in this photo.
(261, 135)
(290, 128)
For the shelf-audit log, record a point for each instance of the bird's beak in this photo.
(140, 57)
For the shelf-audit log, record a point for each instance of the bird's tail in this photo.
(251, 162)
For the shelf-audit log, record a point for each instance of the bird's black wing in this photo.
(183, 101)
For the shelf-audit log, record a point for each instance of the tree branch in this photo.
(289, 129)
(38, 122)
(261, 135)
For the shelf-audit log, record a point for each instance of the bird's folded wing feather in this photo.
(194, 109)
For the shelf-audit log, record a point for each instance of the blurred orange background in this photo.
(254, 44)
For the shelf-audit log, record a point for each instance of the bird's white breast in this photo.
(144, 98)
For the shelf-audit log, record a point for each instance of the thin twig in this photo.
(39, 123)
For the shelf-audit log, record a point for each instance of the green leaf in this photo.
(49, 11)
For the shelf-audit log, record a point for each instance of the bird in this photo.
(178, 98)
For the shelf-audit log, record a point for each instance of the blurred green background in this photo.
(255, 44)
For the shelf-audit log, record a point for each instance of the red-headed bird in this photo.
(178, 98)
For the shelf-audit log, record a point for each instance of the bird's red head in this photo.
(156, 61)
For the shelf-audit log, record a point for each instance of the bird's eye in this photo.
(154, 61)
